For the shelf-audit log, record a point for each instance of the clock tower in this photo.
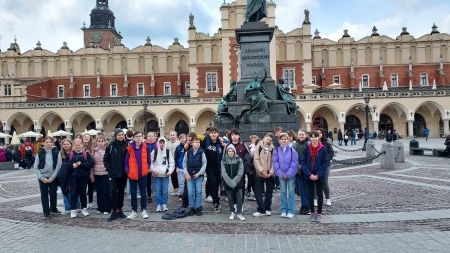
(102, 30)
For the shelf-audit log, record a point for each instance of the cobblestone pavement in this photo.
(421, 184)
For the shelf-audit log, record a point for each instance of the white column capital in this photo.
(308, 118)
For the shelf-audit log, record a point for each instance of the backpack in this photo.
(260, 149)
(167, 158)
(84, 155)
(28, 151)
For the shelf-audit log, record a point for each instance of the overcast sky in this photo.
(55, 21)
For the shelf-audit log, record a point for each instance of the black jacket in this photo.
(9, 155)
(340, 135)
(389, 137)
(17, 156)
(85, 167)
(114, 158)
(330, 150)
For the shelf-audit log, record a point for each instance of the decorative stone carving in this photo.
(191, 21)
(306, 21)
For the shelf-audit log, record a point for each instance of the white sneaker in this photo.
(164, 207)
(258, 214)
(132, 215)
(144, 214)
(99, 212)
(158, 208)
(67, 212)
(73, 214)
(209, 199)
(85, 212)
(139, 196)
(283, 215)
(241, 217)
(268, 213)
(90, 205)
(105, 213)
(315, 202)
(232, 215)
(290, 215)
(235, 208)
(328, 202)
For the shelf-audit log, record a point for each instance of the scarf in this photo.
(314, 151)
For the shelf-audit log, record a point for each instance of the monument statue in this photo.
(306, 21)
(256, 94)
(231, 95)
(256, 10)
(191, 21)
(284, 93)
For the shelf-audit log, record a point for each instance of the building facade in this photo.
(105, 84)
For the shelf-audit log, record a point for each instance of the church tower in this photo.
(102, 30)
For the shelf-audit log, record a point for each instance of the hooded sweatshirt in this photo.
(137, 161)
(114, 158)
(232, 170)
(162, 164)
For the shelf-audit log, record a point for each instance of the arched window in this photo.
(58, 68)
(368, 56)
(385, 124)
(298, 50)
(428, 54)
(383, 54)
(352, 122)
(155, 64)
(122, 125)
(200, 54)
(110, 66)
(141, 65)
(31, 69)
(91, 126)
(419, 125)
(413, 53)
(215, 53)
(339, 58)
(282, 51)
(98, 19)
(232, 20)
(184, 64)
(354, 56)
(83, 67)
(320, 122)
(444, 53)
(169, 64)
(398, 55)
(44, 68)
(182, 127)
(325, 57)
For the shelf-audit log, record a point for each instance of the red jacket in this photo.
(24, 146)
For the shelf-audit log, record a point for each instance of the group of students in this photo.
(291, 159)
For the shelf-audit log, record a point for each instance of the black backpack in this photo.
(28, 151)
(167, 158)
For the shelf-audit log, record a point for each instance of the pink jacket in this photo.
(99, 169)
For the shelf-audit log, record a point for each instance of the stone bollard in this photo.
(399, 152)
(370, 151)
(388, 159)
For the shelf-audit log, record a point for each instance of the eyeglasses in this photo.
(138, 136)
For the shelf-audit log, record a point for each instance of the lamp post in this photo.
(367, 110)
(145, 105)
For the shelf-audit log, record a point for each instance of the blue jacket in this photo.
(179, 156)
(321, 162)
(285, 163)
(426, 131)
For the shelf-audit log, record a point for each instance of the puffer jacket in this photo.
(232, 170)
(285, 163)
(263, 159)
(99, 168)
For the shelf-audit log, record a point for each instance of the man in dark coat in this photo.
(340, 138)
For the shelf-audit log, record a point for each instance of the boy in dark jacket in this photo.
(114, 161)
(232, 171)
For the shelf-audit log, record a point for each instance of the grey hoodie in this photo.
(232, 182)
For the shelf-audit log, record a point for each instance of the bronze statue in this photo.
(306, 16)
(256, 10)
(231, 95)
(284, 93)
(256, 94)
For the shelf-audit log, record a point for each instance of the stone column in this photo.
(308, 127)
(399, 151)
(161, 131)
(446, 128)
(370, 151)
(193, 129)
(38, 130)
(69, 129)
(375, 127)
(410, 129)
(7, 140)
(388, 159)
(342, 127)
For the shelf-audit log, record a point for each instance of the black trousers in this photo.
(185, 197)
(213, 175)
(269, 183)
(29, 160)
(46, 190)
(149, 185)
(117, 190)
(250, 182)
(318, 187)
(174, 179)
(78, 189)
(102, 188)
(90, 191)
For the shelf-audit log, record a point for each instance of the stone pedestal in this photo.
(370, 148)
(399, 151)
(388, 159)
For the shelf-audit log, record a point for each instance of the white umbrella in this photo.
(91, 132)
(410, 84)
(15, 140)
(385, 88)
(434, 84)
(61, 133)
(360, 87)
(3, 135)
(30, 134)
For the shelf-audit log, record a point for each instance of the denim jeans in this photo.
(303, 189)
(287, 195)
(181, 179)
(128, 189)
(46, 190)
(161, 188)
(353, 141)
(237, 194)
(340, 142)
(142, 183)
(194, 187)
(66, 198)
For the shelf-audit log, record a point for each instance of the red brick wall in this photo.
(201, 81)
(298, 75)
(107, 38)
(233, 59)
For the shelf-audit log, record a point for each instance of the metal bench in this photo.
(420, 151)
(440, 152)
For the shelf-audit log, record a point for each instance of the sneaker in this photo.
(139, 196)
(144, 214)
(149, 200)
(46, 216)
(99, 212)
(328, 202)
(232, 216)
(277, 187)
(164, 207)
(305, 210)
(192, 211)
(85, 212)
(105, 213)
(73, 214)
(258, 214)
(158, 208)
(90, 205)
(268, 213)
(198, 211)
(241, 217)
(120, 214)
(251, 198)
(132, 215)
(57, 212)
(64, 213)
(68, 212)
(315, 202)
(290, 215)
(312, 217)
(209, 199)
(319, 217)
(180, 200)
(283, 215)
(217, 208)
(113, 216)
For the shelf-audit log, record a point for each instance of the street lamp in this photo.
(367, 110)
(145, 105)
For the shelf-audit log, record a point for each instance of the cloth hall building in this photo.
(105, 84)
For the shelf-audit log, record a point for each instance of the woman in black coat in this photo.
(18, 158)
